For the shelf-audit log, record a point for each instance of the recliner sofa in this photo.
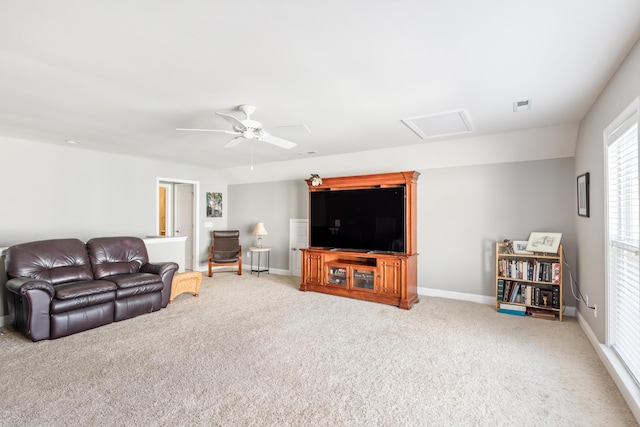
(60, 287)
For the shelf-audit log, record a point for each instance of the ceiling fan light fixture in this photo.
(247, 129)
(247, 109)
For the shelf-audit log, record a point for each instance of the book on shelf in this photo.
(532, 270)
(541, 314)
(556, 297)
(556, 273)
(514, 292)
(507, 290)
(512, 312)
(515, 307)
(500, 289)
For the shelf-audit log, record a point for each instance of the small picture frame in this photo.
(214, 205)
(544, 242)
(520, 247)
(546, 299)
(583, 194)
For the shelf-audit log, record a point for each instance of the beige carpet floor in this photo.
(257, 352)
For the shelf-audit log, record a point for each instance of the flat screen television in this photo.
(371, 219)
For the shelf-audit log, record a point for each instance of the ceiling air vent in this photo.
(440, 124)
(521, 105)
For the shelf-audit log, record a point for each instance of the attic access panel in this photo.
(440, 124)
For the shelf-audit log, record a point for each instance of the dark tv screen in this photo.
(365, 219)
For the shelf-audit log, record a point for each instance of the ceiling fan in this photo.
(247, 129)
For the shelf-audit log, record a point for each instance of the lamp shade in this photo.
(259, 230)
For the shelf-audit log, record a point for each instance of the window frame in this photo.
(612, 133)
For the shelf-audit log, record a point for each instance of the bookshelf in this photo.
(529, 284)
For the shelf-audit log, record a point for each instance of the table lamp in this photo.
(259, 231)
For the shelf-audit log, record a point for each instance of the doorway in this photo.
(298, 239)
(177, 214)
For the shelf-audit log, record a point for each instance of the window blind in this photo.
(623, 231)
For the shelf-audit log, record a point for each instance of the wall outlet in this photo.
(595, 310)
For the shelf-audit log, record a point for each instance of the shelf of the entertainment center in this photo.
(355, 251)
(355, 257)
(355, 262)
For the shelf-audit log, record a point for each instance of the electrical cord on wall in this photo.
(579, 297)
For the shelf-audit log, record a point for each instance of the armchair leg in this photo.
(240, 268)
(210, 269)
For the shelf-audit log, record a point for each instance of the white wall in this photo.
(462, 212)
(623, 88)
(533, 144)
(51, 191)
(459, 203)
(55, 191)
(273, 203)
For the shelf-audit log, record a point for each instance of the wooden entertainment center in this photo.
(380, 276)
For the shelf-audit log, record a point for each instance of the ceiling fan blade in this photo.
(233, 120)
(297, 127)
(231, 132)
(283, 143)
(235, 141)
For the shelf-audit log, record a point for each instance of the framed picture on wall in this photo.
(583, 195)
(214, 205)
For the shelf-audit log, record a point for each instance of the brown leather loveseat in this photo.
(62, 286)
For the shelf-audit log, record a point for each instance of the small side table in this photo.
(185, 282)
(260, 251)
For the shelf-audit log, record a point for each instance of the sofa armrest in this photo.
(21, 285)
(29, 302)
(165, 270)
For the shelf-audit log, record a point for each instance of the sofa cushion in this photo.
(151, 288)
(66, 305)
(136, 284)
(55, 261)
(136, 279)
(116, 255)
(83, 288)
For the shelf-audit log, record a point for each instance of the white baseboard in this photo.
(5, 320)
(628, 387)
(246, 268)
(625, 383)
(480, 299)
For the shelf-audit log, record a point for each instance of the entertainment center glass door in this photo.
(337, 276)
(363, 278)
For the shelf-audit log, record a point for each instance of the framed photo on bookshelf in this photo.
(544, 242)
(546, 298)
(583, 194)
(520, 247)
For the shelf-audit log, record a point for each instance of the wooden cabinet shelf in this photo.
(387, 279)
(529, 284)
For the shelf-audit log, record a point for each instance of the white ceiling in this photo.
(121, 75)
